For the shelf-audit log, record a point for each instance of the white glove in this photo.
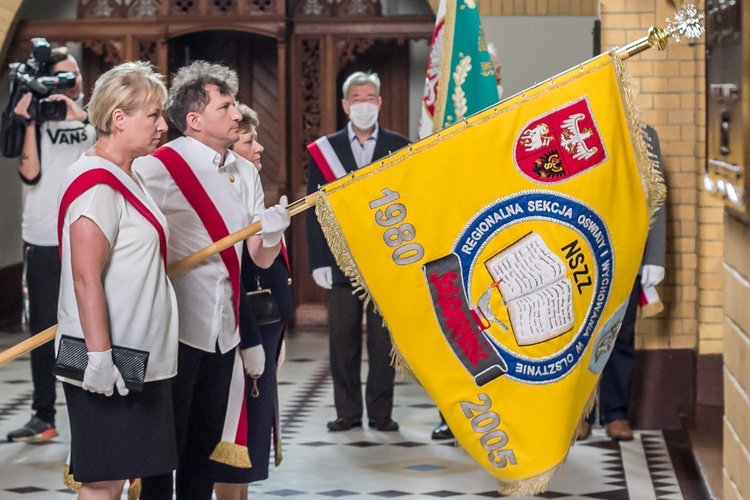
(323, 277)
(273, 221)
(651, 275)
(254, 359)
(102, 376)
(282, 355)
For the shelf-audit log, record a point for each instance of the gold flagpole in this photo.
(687, 23)
(173, 270)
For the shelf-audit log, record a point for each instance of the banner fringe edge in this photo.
(654, 187)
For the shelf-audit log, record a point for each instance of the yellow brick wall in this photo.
(672, 98)
(736, 331)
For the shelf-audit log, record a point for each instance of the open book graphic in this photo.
(538, 296)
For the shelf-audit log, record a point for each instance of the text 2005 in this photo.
(398, 235)
(486, 423)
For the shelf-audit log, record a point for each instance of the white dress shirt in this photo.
(362, 152)
(141, 303)
(204, 293)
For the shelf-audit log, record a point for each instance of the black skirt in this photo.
(121, 437)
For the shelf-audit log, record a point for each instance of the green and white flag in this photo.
(460, 76)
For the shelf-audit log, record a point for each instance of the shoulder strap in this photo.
(209, 215)
(326, 158)
(90, 178)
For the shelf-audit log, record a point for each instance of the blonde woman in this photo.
(115, 294)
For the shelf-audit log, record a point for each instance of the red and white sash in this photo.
(95, 176)
(207, 212)
(326, 159)
(649, 302)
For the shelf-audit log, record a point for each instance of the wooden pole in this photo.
(173, 270)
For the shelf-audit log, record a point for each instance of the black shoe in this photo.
(442, 431)
(344, 424)
(35, 431)
(384, 425)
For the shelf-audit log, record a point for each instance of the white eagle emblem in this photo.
(572, 138)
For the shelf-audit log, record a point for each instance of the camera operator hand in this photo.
(74, 111)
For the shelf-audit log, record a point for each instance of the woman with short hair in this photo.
(116, 303)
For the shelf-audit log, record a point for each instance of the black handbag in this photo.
(72, 360)
(263, 306)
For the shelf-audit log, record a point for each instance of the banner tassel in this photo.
(231, 454)
(69, 480)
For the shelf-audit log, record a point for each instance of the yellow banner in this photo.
(501, 253)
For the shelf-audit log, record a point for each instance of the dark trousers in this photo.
(345, 317)
(200, 393)
(614, 384)
(43, 281)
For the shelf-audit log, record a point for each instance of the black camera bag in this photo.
(12, 129)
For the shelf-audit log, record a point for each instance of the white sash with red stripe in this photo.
(327, 159)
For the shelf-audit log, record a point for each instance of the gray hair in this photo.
(491, 49)
(188, 92)
(249, 120)
(361, 78)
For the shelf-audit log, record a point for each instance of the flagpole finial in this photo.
(686, 23)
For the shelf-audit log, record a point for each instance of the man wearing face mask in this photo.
(498, 70)
(361, 142)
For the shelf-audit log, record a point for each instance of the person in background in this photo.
(356, 145)
(49, 148)
(115, 292)
(262, 398)
(498, 70)
(614, 385)
(200, 186)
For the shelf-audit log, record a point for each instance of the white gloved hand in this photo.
(273, 221)
(282, 355)
(323, 277)
(651, 275)
(254, 359)
(102, 376)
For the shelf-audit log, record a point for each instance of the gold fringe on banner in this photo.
(529, 486)
(345, 260)
(231, 454)
(653, 182)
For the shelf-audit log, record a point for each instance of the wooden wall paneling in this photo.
(305, 126)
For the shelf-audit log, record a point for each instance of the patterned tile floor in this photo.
(364, 463)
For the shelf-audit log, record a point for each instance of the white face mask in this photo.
(363, 114)
(500, 92)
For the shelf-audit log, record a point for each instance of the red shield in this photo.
(560, 144)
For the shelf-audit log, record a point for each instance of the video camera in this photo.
(29, 76)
